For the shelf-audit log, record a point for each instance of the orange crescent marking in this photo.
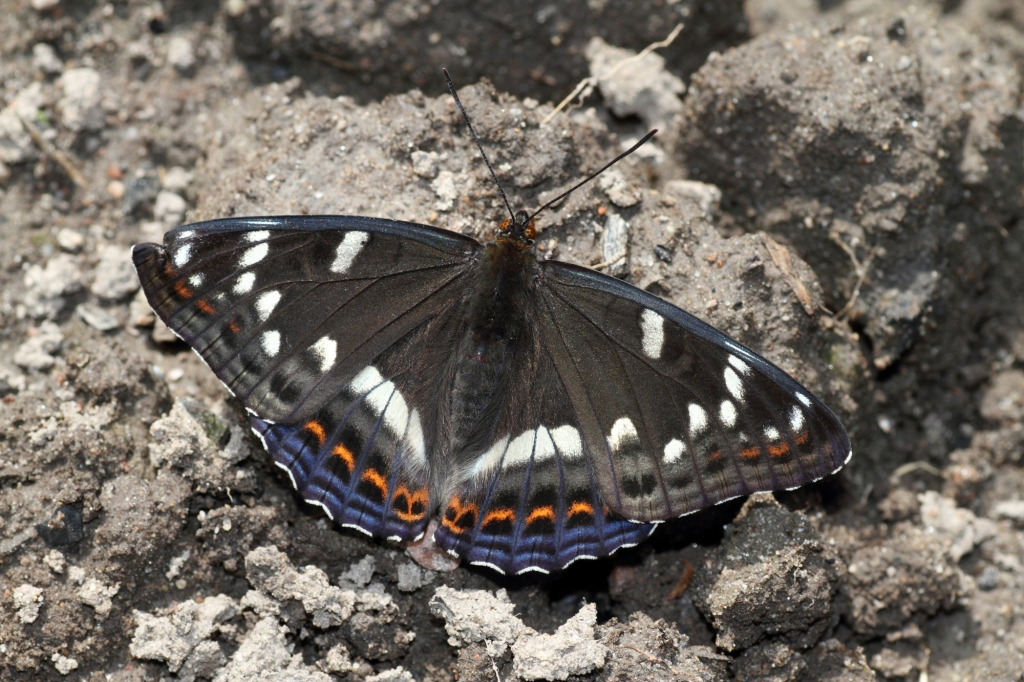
(502, 514)
(205, 306)
(545, 512)
(580, 507)
(783, 448)
(750, 453)
(233, 327)
(316, 429)
(411, 497)
(346, 456)
(459, 511)
(181, 290)
(715, 456)
(373, 477)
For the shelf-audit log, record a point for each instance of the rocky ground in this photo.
(839, 188)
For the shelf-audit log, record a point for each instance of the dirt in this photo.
(838, 185)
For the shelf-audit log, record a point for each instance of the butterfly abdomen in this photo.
(496, 336)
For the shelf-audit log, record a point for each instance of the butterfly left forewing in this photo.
(285, 309)
(676, 415)
(323, 326)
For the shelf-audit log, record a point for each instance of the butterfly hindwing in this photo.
(530, 500)
(676, 416)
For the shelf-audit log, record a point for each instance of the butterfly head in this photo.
(519, 230)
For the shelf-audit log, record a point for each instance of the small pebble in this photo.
(44, 58)
(70, 240)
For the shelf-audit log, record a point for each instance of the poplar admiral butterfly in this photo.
(540, 412)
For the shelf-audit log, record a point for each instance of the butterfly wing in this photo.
(675, 416)
(530, 499)
(311, 321)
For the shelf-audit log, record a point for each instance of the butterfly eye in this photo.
(531, 230)
(505, 224)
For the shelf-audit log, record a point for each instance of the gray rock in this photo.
(642, 87)
(182, 636)
(571, 650)
(477, 616)
(45, 58)
(46, 286)
(115, 275)
(39, 350)
(80, 106)
(269, 571)
(770, 578)
(180, 54)
(28, 599)
(169, 208)
(70, 240)
(16, 145)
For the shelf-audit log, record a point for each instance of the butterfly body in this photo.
(541, 412)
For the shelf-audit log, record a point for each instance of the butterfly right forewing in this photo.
(676, 415)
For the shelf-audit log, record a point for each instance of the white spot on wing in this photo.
(414, 437)
(567, 440)
(182, 255)
(488, 461)
(253, 255)
(326, 352)
(796, 419)
(727, 413)
(367, 380)
(623, 430)
(544, 446)
(257, 236)
(652, 328)
(396, 416)
(733, 383)
(266, 303)
(520, 449)
(243, 284)
(386, 401)
(741, 366)
(771, 433)
(196, 280)
(350, 246)
(673, 451)
(804, 399)
(271, 342)
(698, 419)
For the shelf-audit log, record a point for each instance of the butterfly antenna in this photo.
(603, 168)
(465, 117)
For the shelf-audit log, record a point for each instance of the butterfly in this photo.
(538, 411)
